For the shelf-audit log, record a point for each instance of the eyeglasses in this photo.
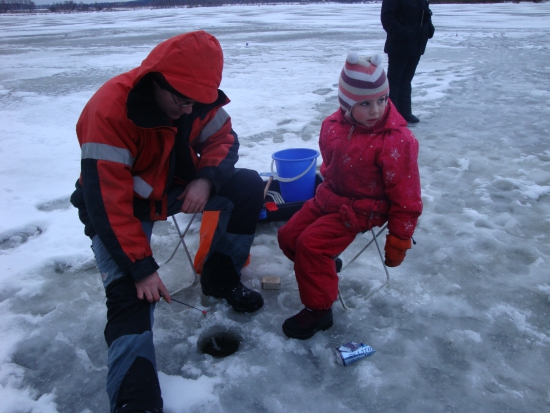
(182, 103)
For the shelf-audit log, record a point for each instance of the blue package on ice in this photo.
(352, 352)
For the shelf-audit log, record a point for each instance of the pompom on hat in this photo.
(362, 78)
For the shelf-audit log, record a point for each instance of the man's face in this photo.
(370, 111)
(172, 106)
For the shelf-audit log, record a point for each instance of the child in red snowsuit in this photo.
(371, 177)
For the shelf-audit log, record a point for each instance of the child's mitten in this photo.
(396, 249)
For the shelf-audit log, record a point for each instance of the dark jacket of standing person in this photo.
(408, 24)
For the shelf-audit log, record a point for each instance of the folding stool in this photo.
(182, 242)
(375, 240)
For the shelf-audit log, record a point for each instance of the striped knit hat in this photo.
(362, 78)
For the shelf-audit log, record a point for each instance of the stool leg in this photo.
(374, 239)
(387, 283)
(180, 235)
(182, 241)
(366, 246)
(342, 300)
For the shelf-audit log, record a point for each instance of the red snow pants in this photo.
(312, 240)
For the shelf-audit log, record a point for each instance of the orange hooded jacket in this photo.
(129, 156)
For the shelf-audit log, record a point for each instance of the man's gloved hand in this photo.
(396, 249)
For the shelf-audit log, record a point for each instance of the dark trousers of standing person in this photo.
(401, 71)
(132, 380)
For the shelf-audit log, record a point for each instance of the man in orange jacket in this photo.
(156, 141)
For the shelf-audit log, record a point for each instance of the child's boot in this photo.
(307, 322)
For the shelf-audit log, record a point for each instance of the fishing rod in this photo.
(181, 302)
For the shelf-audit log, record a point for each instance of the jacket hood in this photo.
(191, 62)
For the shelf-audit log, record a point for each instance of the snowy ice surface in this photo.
(463, 326)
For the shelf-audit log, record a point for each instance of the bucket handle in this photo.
(278, 178)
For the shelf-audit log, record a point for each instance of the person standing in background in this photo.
(408, 26)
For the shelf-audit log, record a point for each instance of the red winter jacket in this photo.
(129, 153)
(371, 172)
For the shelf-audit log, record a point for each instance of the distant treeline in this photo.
(483, 1)
(18, 6)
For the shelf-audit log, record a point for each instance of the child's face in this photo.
(370, 111)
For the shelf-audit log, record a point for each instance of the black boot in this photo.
(307, 322)
(241, 298)
(220, 279)
(405, 108)
(410, 118)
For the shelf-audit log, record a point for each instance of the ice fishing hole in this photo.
(219, 344)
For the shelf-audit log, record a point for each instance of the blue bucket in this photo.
(296, 169)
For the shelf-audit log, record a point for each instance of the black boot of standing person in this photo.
(408, 25)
